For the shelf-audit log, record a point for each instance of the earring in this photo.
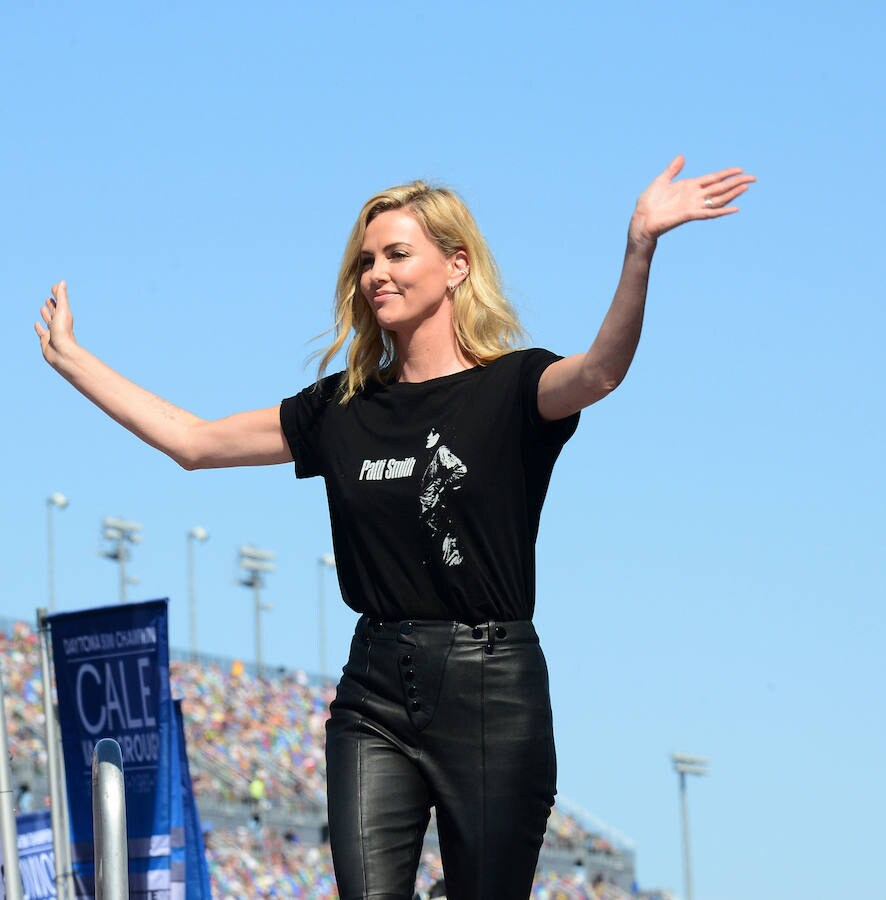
(452, 286)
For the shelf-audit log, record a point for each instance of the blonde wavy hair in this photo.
(486, 325)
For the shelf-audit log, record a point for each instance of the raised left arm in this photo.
(578, 381)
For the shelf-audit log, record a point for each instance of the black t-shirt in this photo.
(435, 489)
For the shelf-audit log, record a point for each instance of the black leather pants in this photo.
(446, 715)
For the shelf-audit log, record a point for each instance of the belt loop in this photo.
(490, 637)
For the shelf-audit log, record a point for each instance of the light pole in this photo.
(59, 501)
(120, 532)
(58, 807)
(255, 562)
(197, 533)
(687, 765)
(327, 561)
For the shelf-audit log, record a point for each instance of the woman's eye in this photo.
(365, 263)
(399, 254)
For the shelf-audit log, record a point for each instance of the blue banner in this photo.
(36, 860)
(112, 680)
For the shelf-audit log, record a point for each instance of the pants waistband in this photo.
(491, 632)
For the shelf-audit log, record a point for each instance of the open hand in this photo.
(58, 321)
(666, 203)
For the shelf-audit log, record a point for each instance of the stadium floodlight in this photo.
(690, 765)
(684, 765)
(256, 562)
(256, 565)
(125, 525)
(120, 532)
(251, 552)
(54, 501)
(197, 533)
(327, 561)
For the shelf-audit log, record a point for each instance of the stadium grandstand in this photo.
(256, 753)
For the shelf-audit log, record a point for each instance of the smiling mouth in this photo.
(378, 296)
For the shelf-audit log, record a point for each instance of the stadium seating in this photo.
(274, 846)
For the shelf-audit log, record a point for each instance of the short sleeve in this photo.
(559, 431)
(301, 418)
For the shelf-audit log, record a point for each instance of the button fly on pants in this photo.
(422, 668)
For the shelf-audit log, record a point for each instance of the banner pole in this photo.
(109, 822)
(57, 789)
(66, 821)
(7, 812)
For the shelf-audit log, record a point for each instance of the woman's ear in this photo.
(459, 267)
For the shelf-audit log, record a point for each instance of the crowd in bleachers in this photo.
(239, 726)
(20, 656)
(245, 863)
(242, 729)
(565, 830)
(241, 865)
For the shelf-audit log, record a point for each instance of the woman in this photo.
(437, 445)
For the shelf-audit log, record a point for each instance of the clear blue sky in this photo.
(711, 553)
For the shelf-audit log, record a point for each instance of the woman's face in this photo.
(403, 274)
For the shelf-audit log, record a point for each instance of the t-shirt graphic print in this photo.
(441, 478)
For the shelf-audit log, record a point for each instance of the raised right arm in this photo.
(245, 439)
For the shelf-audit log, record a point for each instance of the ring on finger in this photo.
(709, 202)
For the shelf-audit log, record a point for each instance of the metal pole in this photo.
(121, 559)
(67, 859)
(326, 561)
(256, 561)
(687, 871)
(121, 532)
(8, 830)
(321, 618)
(109, 822)
(192, 600)
(59, 501)
(50, 544)
(256, 587)
(57, 790)
(197, 533)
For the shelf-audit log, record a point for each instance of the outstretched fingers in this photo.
(722, 190)
(45, 314)
(728, 185)
(59, 293)
(50, 304)
(56, 304)
(717, 203)
(712, 178)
